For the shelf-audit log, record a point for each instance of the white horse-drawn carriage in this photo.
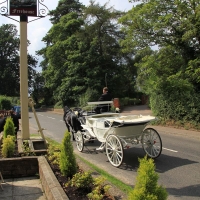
(117, 132)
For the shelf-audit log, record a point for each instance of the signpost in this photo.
(24, 78)
(23, 9)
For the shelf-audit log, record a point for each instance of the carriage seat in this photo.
(105, 105)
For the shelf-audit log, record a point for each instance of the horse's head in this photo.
(67, 109)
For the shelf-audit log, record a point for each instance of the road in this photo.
(178, 166)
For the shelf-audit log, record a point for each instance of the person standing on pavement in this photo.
(2, 122)
(104, 97)
(15, 121)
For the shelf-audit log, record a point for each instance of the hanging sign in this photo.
(23, 7)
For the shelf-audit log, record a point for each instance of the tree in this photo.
(59, 53)
(9, 61)
(84, 53)
(65, 7)
(167, 24)
(169, 74)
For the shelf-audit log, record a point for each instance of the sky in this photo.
(37, 29)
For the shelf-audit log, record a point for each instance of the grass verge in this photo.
(116, 182)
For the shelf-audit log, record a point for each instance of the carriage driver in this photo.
(104, 97)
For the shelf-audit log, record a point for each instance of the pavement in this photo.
(26, 188)
(30, 188)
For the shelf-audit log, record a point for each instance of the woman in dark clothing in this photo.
(2, 122)
(15, 121)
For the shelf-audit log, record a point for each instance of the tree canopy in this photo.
(83, 52)
(169, 74)
(9, 61)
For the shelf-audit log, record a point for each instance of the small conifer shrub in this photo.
(9, 128)
(8, 146)
(68, 166)
(82, 180)
(146, 186)
(99, 190)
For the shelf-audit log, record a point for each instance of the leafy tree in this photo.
(173, 26)
(102, 50)
(9, 61)
(63, 42)
(167, 24)
(84, 53)
(65, 7)
(40, 94)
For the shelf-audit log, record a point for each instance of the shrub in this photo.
(68, 166)
(9, 128)
(5, 103)
(58, 105)
(82, 180)
(54, 153)
(176, 99)
(146, 186)
(85, 181)
(26, 149)
(99, 190)
(8, 146)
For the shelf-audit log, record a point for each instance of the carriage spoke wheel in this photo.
(114, 150)
(79, 141)
(151, 142)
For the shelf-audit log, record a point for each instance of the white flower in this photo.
(117, 109)
(76, 113)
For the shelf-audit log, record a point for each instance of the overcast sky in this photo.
(38, 29)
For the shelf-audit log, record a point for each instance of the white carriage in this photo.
(117, 132)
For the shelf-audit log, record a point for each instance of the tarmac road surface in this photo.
(178, 165)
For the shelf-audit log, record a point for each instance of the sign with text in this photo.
(23, 7)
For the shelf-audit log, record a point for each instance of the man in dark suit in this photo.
(2, 122)
(104, 97)
(15, 121)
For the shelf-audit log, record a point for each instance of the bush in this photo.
(99, 190)
(58, 105)
(146, 186)
(9, 128)
(68, 166)
(8, 147)
(82, 180)
(177, 100)
(54, 153)
(5, 103)
(26, 149)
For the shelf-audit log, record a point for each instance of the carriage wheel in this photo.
(151, 142)
(79, 140)
(114, 150)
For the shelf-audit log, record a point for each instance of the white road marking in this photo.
(170, 150)
(41, 115)
(50, 117)
(61, 120)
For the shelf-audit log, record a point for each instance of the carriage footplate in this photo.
(102, 147)
(91, 140)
